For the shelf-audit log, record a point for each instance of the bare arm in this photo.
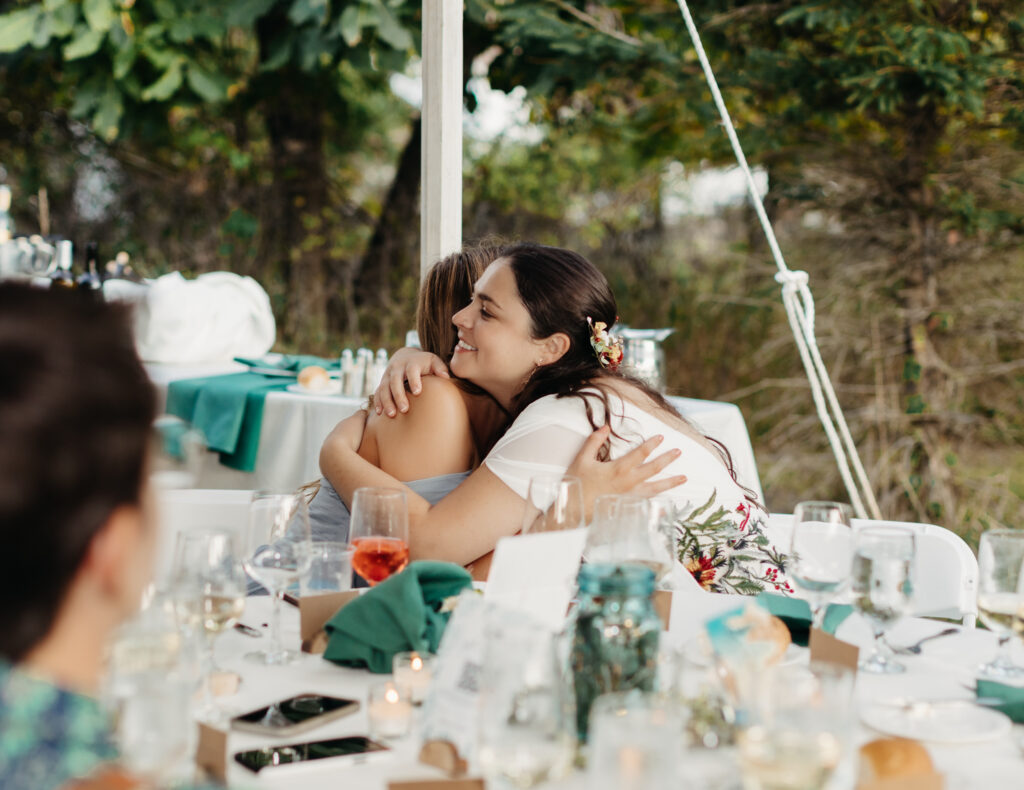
(467, 523)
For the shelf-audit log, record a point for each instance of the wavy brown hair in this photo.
(561, 289)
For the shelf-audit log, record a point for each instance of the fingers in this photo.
(656, 487)
(415, 383)
(638, 454)
(655, 465)
(438, 368)
(593, 443)
(397, 400)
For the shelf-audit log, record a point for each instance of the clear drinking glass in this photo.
(821, 553)
(628, 528)
(634, 742)
(882, 587)
(208, 587)
(380, 533)
(525, 726)
(553, 502)
(175, 454)
(330, 569)
(800, 730)
(1000, 595)
(278, 553)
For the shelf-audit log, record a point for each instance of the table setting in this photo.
(425, 680)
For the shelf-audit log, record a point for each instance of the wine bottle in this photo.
(90, 279)
(61, 276)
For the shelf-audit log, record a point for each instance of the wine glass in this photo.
(279, 551)
(380, 533)
(629, 528)
(821, 553)
(524, 725)
(882, 587)
(553, 502)
(1000, 554)
(208, 587)
(176, 453)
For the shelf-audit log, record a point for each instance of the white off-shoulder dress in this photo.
(719, 530)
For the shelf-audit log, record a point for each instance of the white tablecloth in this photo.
(295, 425)
(941, 672)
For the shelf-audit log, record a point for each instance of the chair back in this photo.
(945, 568)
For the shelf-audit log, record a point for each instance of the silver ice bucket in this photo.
(643, 355)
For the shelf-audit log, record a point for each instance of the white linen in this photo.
(217, 316)
(546, 437)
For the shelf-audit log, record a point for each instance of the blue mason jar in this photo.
(615, 635)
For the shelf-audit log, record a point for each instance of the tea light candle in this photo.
(413, 673)
(389, 710)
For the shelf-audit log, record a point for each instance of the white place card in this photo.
(536, 574)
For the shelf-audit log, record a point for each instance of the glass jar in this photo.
(615, 635)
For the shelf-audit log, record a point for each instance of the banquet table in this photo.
(940, 672)
(295, 424)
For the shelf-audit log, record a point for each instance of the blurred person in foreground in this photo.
(77, 519)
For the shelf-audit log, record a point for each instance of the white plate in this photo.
(333, 388)
(941, 723)
(699, 654)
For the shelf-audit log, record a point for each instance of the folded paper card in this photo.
(796, 614)
(401, 613)
(536, 574)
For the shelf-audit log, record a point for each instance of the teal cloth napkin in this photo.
(399, 614)
(796, 614)
(1012, 696)
(294, 362)
(228, 410)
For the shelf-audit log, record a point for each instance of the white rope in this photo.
(799, 304)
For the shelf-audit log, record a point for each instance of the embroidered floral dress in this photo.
(720, 535)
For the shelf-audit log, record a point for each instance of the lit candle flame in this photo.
(417, 663)
(391, 695)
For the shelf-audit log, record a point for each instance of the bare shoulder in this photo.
(433, 438)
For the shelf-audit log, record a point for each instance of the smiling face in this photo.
(496, 348)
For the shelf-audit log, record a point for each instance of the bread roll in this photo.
(314, 378)
(888, 758)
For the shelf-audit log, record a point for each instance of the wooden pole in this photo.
(441, 168)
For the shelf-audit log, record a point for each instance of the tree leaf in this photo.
(303, 11)
(164, 88)
(391, 30)
(87, 96)
(349, 26)
(107, 118)
(280, 51)
(209, 87)
(99, 14)
(243, 13)
(85, 43)
(124, 59)
(17, 28)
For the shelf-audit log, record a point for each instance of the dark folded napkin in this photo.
(1012, 696)
(401, 613)
(796, 614)
(293, 362)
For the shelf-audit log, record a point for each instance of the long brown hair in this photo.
(561, 290)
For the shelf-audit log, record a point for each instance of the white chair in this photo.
(945, 568)
(196, 508)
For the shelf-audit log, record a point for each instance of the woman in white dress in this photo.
(534, 336)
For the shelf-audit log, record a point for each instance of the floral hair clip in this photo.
(607, 347)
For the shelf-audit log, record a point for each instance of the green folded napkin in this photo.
(399, 614)
(1012, 696)
(796, 614)
(294, 362)
(228, 410)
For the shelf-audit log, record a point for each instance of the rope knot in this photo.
(791, 280)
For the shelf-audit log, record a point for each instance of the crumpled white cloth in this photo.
(215, 317)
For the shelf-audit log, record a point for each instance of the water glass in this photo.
(380, 533)
(1000, 596)
(330, 569)
(524, 708)
(629, 528)
(821, 553)
(882, 587)
(634, 743)
(553, 502)
(799, 732)
(279, 552)
(176, 451)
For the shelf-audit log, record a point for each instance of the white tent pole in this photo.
(441, 164)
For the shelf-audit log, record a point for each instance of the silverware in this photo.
(915, 649)
(248, 630)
